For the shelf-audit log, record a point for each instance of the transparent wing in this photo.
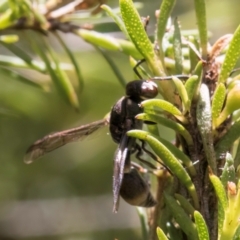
(59, 139)
(122, 164)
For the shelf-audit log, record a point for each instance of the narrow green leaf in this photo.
(99, 39)
(4, 5)
(181, 217)
(43, 85)
(198, 69)
(9, 61)
(166, 106)
(192, 55)
(169, 160)
(204, 122)
(237, 156)
(138, 35)
(161, 235)
(58, 76)
(237, 234)
(63, 83)
(109, 43)
(219, 189)
(232, 215)
(179, 128)
(9, 38)
(177, 48)
(73, 60)
(128, 48)
(228, 172)
(221, 217)
(136, 29)
(217, 102)
(201, 225)
(191, 86)
(116, 18)
(7, 19)
(180, 155)
(162, 19)
(232, 104)
(182, 93)
(144, 225)
(185, 204)
(231, 57)
(228, 139)
(173, 231)
(114, 67)
(200, 9)
(141, 41)
(21, 54)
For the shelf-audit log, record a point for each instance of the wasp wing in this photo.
(122, 164)
(59, 139)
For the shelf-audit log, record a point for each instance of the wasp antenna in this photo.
(136, 66)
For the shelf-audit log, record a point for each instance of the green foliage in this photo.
(200, 195)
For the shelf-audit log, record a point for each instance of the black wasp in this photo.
(127, 182)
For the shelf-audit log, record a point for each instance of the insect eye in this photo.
(142, 89)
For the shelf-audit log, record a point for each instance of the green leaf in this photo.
(144, 226)
(114, 67)
(179, 155)
(116, 18)
(201, 226)
(192, 55)
(221, 217)
(200, 9)
(138, 35)
(128, 48)
(160, 234)
(182, 93)
(59, 77)
(73, 60)
(237, 156)
(177, 48)
(169, 160)
(217, 102)
(185, 204)
(99, 39)
(181, 217)
(232, 104)
(228, 172)
(9, 38)
(237, 234)
(162, 19)
(198, 69)
(204, 122)
(9, 61)
(228, 139)
(179, 128)
(109, 43)
(191, 86)
(22, 54)
(231, 57)
(219, 189)
(141, 41)
(41, 84)
(232, 215)
(164, 105)
(7, 19)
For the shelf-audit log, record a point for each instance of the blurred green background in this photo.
(67, 194)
